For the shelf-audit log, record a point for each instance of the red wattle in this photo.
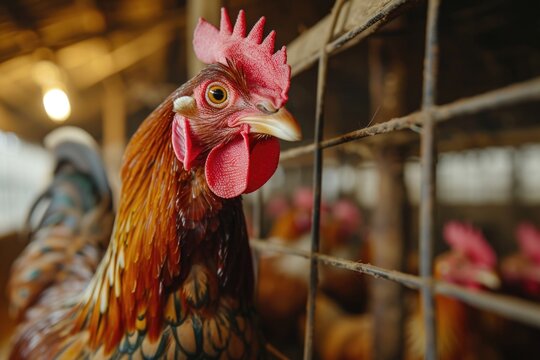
(227, 168)
(185, 149)
(236, 167)
(263, 163)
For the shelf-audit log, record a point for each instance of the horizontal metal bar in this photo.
(410, 281)
(507, 306)
(509, 95)
(359, 19)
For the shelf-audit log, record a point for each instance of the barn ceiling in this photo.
(86, 43)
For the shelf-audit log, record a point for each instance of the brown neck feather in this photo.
(160, 204)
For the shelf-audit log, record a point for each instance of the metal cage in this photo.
(302, 56)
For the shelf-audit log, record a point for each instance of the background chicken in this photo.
(177, 278)
(341, 228)
(471, 262)
(340, 335)
(521, 277)
(521, 271)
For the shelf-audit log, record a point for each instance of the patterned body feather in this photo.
(47, 279)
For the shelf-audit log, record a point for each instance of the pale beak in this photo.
(280, 124)
(488, 278)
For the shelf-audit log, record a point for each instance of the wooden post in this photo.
(387, 237)
(387, 89)
(114, 129)
(208, 9)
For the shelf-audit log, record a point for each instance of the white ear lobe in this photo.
(185, 105)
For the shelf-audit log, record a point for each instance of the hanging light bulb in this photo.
(56, 103)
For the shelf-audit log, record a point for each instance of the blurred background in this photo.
(104, 65)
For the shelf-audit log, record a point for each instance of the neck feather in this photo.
(160, 205)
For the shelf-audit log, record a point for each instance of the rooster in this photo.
(471, 262)
(176, 279)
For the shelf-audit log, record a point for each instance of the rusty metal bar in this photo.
(431, 56)
(369, 27)
(509, 95)
(301, 53)
(317, 180)
(428, 182)
(509, 307)
(428, 117)
(410, 281)
(315, 217)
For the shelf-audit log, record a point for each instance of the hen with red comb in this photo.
(471, 242)
(177, 279)
(470, 262)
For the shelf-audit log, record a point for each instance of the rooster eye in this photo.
(216, 95)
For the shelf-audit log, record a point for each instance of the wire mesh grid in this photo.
(427, 118)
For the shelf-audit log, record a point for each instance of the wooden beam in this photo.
(209, 10)
(93, 70)
(114, 130)
(121, 58)
(387, 85)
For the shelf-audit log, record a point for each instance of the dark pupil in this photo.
(217, 94)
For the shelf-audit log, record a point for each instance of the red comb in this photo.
(267, 72)
(529, 241)
(348, 213)
(471, 242)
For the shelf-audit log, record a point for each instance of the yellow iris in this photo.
(216, 95)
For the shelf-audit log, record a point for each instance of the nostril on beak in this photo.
(267, 108)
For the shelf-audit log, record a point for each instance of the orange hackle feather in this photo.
(144, 244)
(163, 211)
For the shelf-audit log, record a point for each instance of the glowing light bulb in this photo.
(56, 103)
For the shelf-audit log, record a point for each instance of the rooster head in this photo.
(228, 117)
(471, 262)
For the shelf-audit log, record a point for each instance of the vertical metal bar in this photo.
(427, 196)
(315, 233)
(431, 56)
(317, 180)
